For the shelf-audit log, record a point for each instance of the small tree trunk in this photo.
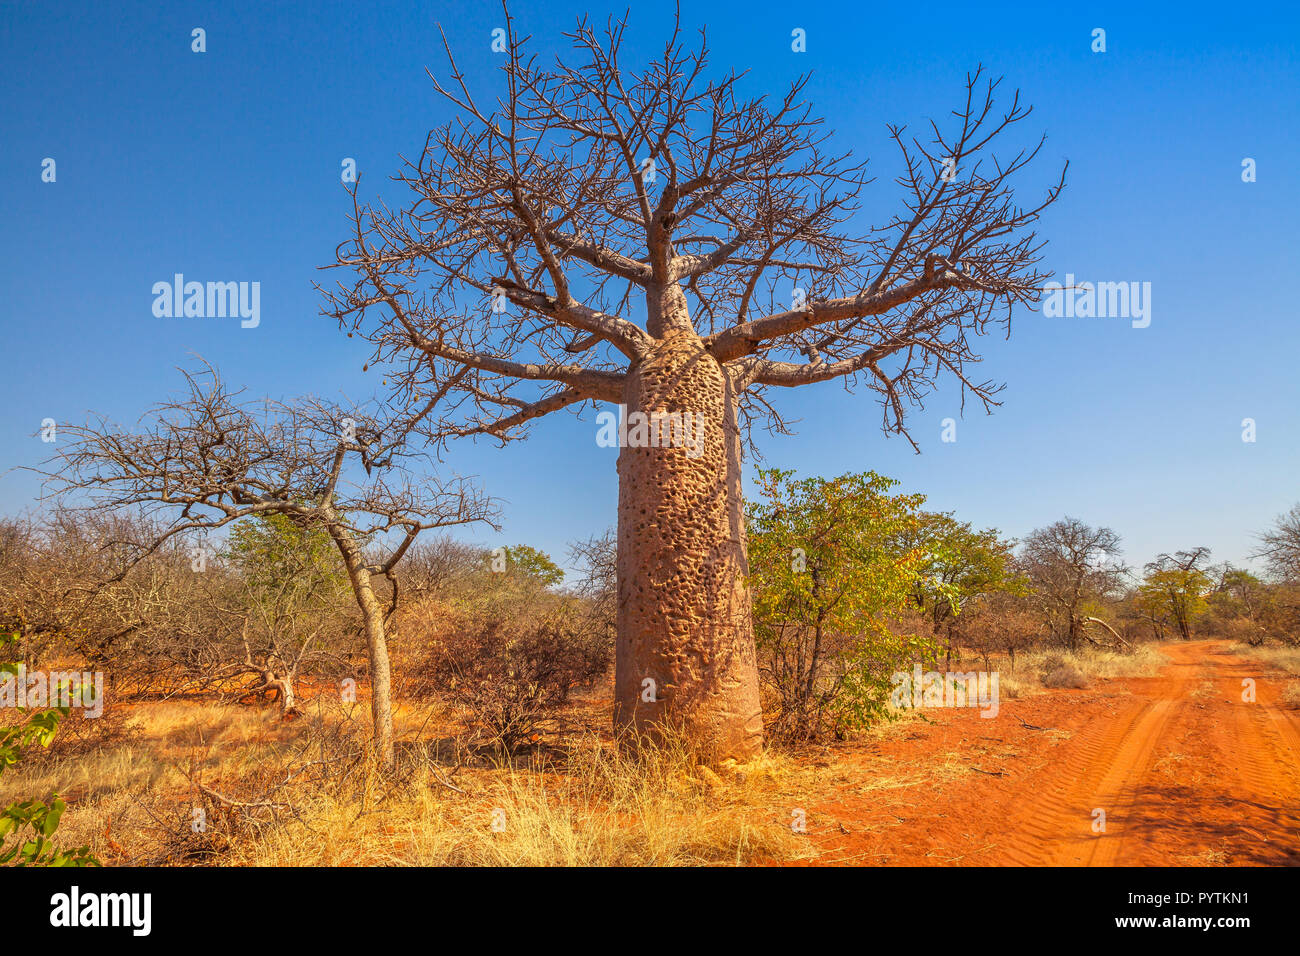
(282, 687)
(372, 616)
(288, 697)
(381, 678)
(684, 614)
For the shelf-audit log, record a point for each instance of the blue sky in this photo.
(225, 165)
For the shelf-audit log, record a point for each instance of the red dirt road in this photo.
(1185, 771)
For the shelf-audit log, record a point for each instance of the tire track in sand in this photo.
(1118, 773)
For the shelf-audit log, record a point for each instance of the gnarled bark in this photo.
(593, 184)
(684, 616)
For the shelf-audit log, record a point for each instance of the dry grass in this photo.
(1091, 663)
(1205, 689)
(602, 808)
(585, 804)
(1058, 673)
(1010, 687)
(1210, 856)
(1290, 698)
(1170, 764)
(1276, 656)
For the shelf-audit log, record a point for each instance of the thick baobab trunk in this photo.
(372, 616)
(686, 659)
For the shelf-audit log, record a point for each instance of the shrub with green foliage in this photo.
(27, 827)
(522, 560)
(826, 573)
(961, 568)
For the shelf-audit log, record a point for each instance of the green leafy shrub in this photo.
(827, 574)
(27, 827)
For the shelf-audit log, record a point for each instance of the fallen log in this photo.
(1113, 632)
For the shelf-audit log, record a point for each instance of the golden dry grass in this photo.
(1290, 698)
(1276, 656)
(586, 804)
(1093, 662)
(602, 808)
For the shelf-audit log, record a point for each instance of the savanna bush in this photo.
(27, 827)
(1057, 672)
(829, 573)
(509, 669)
(1291, 696)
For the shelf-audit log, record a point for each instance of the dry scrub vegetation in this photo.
(306, 792)
(237, 726)
(1283, 657)
(1054, 668)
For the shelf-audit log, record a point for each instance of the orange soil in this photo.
(1186, 772)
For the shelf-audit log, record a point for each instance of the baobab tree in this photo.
(212, 457)
(663, 242)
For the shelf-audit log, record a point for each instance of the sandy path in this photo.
(1185, 771)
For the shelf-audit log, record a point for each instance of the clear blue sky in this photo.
(225, 165)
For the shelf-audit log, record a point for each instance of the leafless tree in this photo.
(596, 560)
(212, 457)
(1070, 563)
(70, 578)
(1280, 546)
(662, 241)
(441, 565)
